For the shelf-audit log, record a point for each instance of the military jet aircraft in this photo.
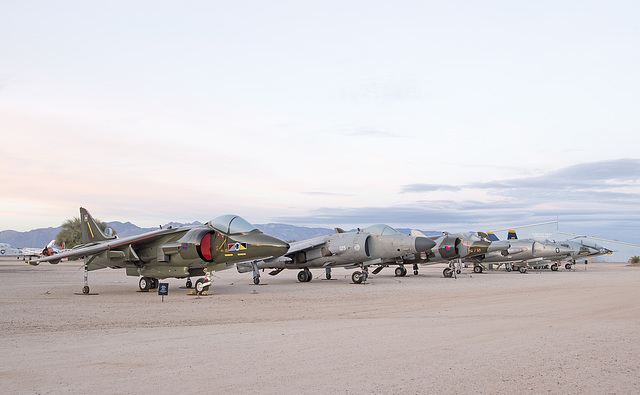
(373, 245)
(518, 254)
(450, 248)
(172, 252)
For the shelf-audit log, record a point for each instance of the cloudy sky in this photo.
(438, 115)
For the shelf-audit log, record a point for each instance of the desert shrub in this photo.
(634, 259)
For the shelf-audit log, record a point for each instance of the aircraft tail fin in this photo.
(512, 235)
(90, 230)
(492, 236)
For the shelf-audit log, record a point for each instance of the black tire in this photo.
(256, 280)
(477, 269)
(415, 272)
(328, 276)
(567, 266)
(302, 276)
(398, 272)
(447, 272)
(85, 290)
(357, 277)
(523, 269)
(144, 283)
(189, 284)
(554, 267)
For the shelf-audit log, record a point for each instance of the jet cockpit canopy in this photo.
(231, 224)
(380, 230)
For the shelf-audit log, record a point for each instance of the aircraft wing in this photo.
(306, 244)
(114, 247)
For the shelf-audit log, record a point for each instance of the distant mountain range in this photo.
(39, 238)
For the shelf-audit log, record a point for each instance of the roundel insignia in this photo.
(448, 247)
(356, 247)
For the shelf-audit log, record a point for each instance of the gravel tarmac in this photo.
(565, 332)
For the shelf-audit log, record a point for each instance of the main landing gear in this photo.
(360, 276)
(147, 283)
(304, 276)
(203, 284)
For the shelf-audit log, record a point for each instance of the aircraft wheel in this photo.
(357, 277)
(85, 290)
(554, 267)
(144, 283)
(523, 269)
(507, 268)
(154, 283)
(200, 288)
(458, 271)
(567, 266)
(302, 276)
(398, 271)
(328, 276)
(415, 272)
(188, 284)
(447, 273)
(477, 269)
(256, 280)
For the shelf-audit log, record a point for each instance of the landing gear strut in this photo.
(327, 273)
(85, 289)
(256, 273)
(203, 284)
(360, 276)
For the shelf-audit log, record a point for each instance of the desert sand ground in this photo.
(542, 332)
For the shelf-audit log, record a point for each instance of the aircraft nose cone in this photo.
(424, 244)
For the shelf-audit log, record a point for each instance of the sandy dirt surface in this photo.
(542, 332)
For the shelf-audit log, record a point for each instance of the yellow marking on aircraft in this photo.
(242, 253)
(90, 230)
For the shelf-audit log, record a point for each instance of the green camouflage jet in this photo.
(182, 252)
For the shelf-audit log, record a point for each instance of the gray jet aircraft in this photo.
(373, 245)
(518, 254)
(449, 249)
(171, 253)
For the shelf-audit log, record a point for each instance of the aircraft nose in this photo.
(424, 244)
(278, 246)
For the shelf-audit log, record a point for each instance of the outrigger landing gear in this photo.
(415, 269)
(327, 273)
(256, 273)
(85, 289)
(188, 284)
